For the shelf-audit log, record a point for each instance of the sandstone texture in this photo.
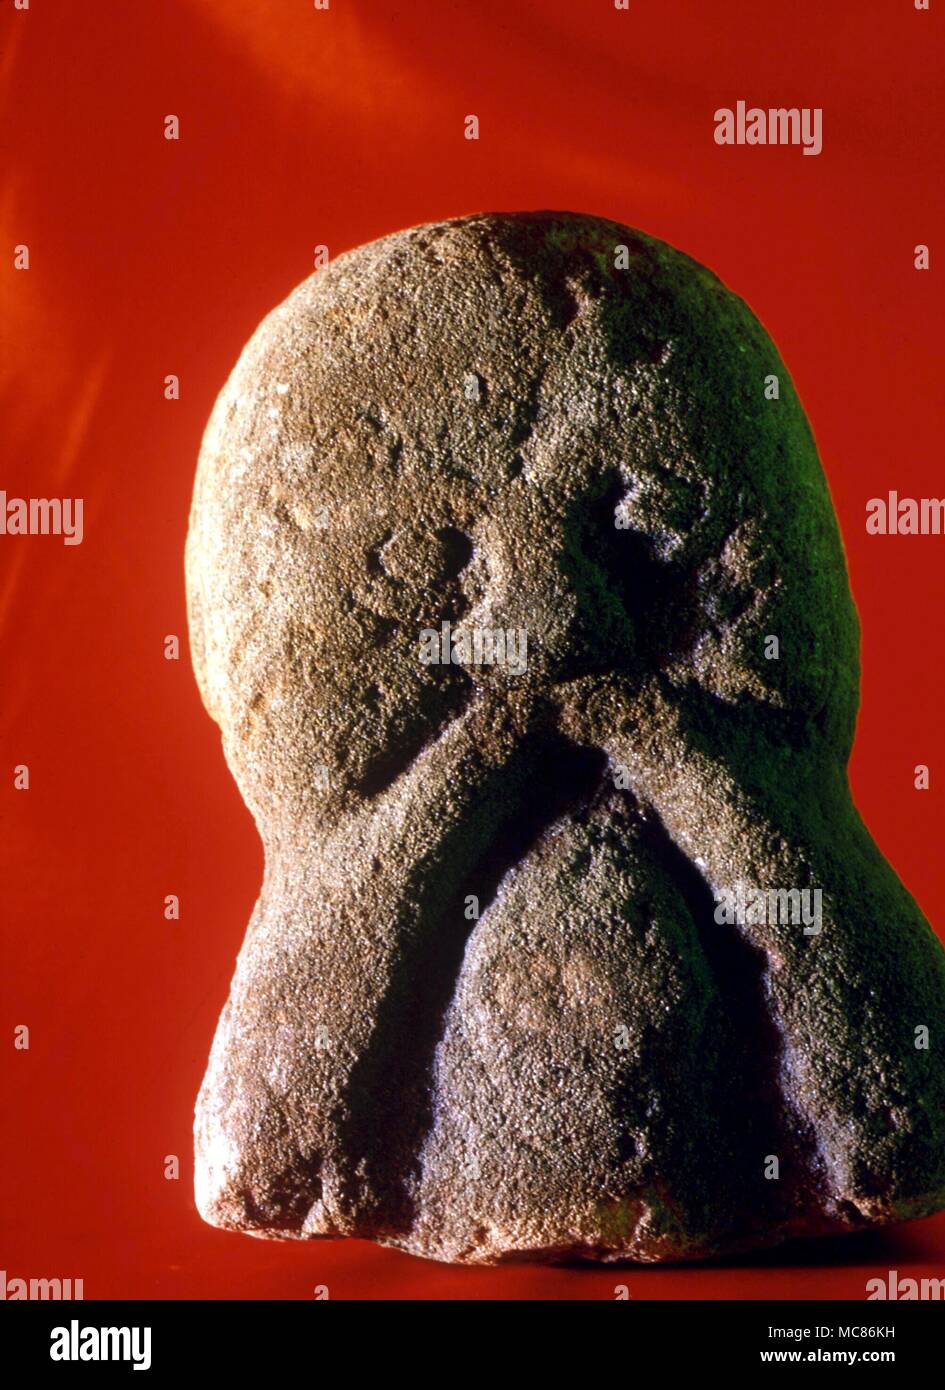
(487, 423)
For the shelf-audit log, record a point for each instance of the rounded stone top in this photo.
(536, 422)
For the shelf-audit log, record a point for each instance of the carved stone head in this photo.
(517, 593)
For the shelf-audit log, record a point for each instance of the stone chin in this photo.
(484, 1008)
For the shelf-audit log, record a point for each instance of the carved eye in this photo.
(641, 608)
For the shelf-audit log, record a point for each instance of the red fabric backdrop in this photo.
(151, 257)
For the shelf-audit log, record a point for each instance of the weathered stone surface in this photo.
(595, 1067)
